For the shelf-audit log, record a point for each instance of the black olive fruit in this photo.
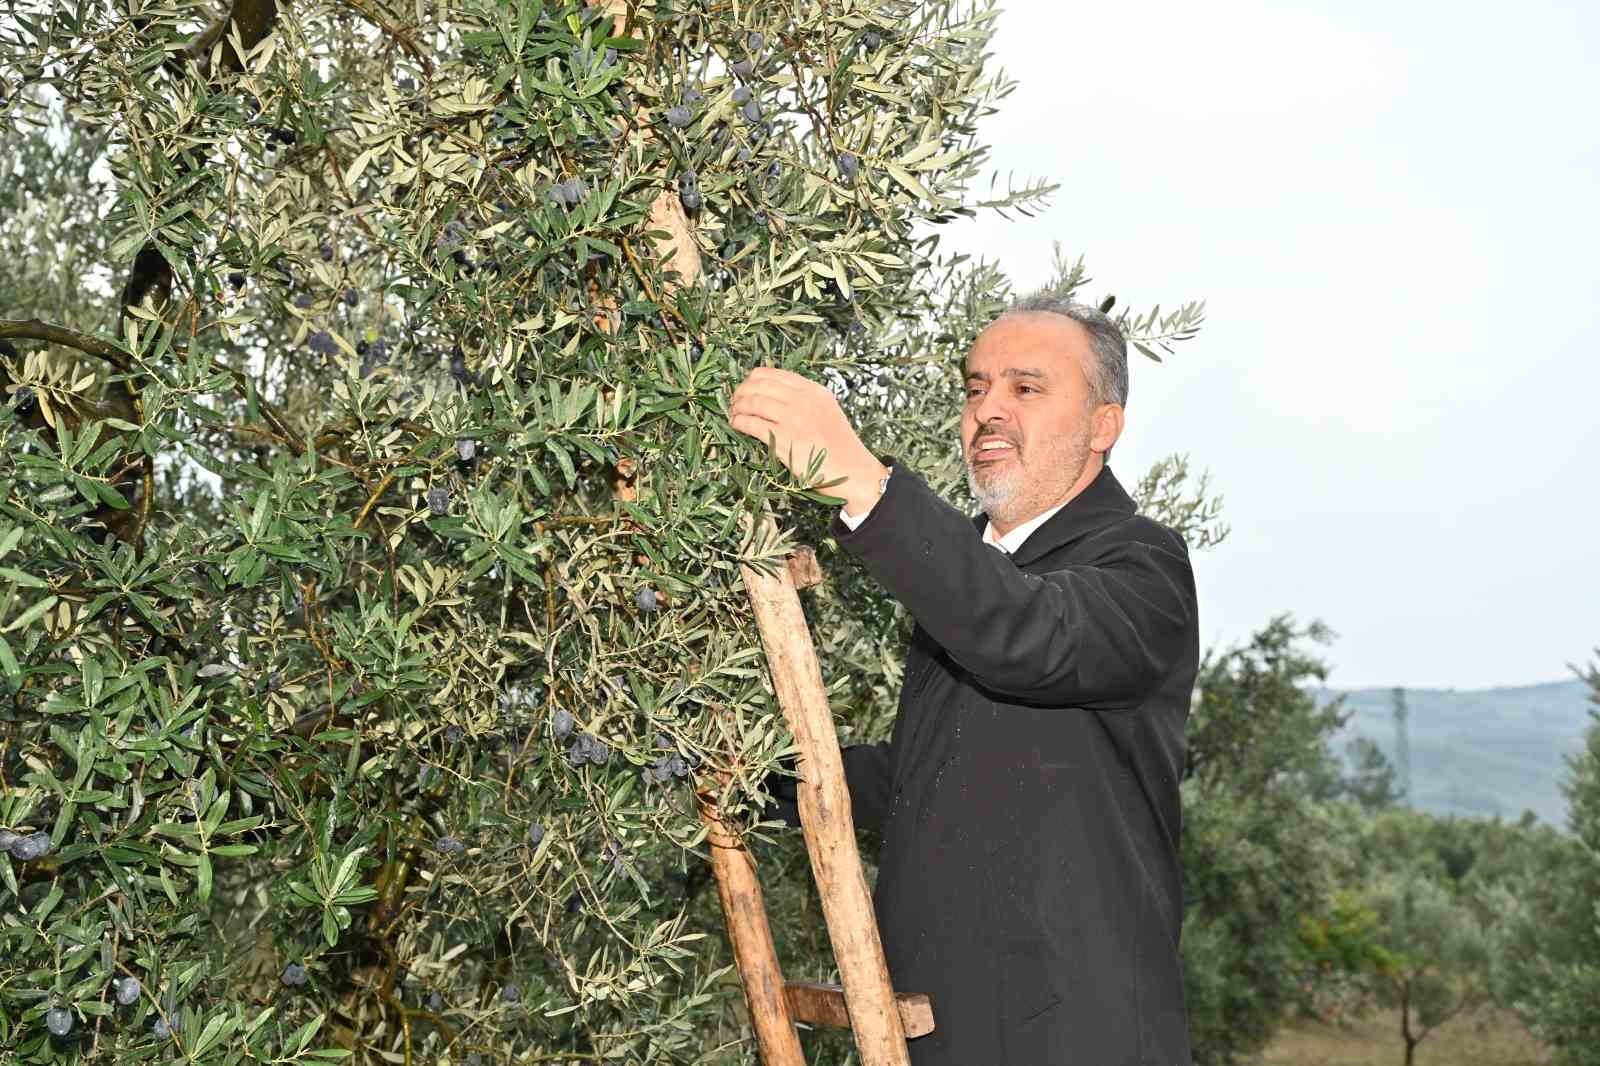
(33, 846)
(689, 190)
(561, 724)
(588, 748)
(458, 368)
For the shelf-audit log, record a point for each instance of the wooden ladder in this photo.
(880, 1019)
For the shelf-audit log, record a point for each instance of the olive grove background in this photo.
(349, 712)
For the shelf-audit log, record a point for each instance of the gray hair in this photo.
(1108, 370)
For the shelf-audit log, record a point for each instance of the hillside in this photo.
(1479, 753)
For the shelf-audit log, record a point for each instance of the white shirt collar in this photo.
(1013, 540)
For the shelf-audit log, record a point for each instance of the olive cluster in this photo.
(670, 765)
(59, 1021)
(588, 748)
(25, 848)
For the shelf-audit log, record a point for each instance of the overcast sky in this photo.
(1391, 211)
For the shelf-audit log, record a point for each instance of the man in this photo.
(1028, 797)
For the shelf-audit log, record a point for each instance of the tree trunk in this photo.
(1405, 1023)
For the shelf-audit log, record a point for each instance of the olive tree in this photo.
(1259, 852)
(370, 617)
(1547, 932)
(1438, 953)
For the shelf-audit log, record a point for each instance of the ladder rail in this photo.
(754, 954)
(825, 814)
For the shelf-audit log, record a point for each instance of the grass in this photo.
(1486, 1038)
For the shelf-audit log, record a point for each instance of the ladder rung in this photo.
(820, 1004)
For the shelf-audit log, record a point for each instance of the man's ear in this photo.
(1107, 427)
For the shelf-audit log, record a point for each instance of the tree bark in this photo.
(1405, 1023)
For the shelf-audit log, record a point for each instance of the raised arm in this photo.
(1097, 634)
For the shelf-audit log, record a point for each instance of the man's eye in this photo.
(1020, 388)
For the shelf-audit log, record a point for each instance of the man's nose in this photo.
(991, 411)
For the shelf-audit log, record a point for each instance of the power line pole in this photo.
(1402, 744)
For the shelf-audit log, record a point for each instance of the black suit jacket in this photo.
(1028, 796)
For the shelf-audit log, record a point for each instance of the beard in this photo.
(1035, 479)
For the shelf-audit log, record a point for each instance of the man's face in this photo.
(1026, 388)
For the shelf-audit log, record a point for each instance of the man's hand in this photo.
(785, 792)
(800, 419)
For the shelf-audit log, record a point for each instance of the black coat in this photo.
(1028, 796)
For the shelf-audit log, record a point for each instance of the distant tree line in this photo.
(1313, 892)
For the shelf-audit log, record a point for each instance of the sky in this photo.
(1391, 212)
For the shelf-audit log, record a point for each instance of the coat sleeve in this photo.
(868, 774)
(1099, 634)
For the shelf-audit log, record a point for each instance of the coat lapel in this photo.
(1101, 503)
